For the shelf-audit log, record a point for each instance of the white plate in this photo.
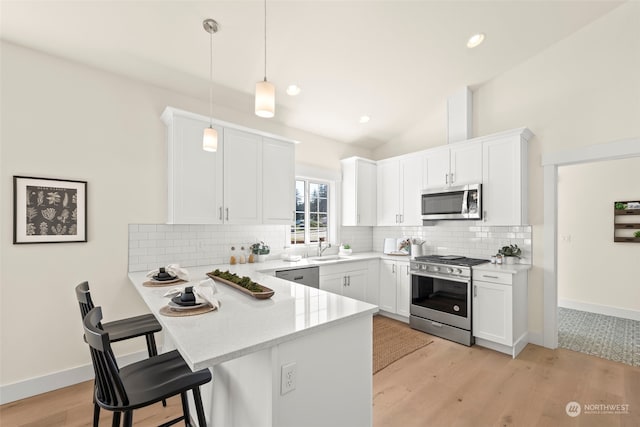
(175, 306)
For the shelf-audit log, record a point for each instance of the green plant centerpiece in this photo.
(244, 281)
(620, 206)
(346, 246)
(510, 253)
(637, 234)
(260, 249)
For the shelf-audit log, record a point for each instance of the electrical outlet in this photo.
(288, 380)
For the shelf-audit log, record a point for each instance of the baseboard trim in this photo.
(394, 316)
(535, 338)
(607, 310)
(38, 385)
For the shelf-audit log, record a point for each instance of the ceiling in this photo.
(396, 61)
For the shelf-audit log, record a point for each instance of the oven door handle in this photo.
(439, 276)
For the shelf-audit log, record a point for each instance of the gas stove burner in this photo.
(451, 260)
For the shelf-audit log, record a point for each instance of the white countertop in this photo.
(503, 268)
(244, 324)
(280, 264)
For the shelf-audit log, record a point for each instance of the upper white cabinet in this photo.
(358, 192)
(278, 181)
(250, 174)
(505, 178)
(455, 164)
(399, 188)
(242, 176)
(194, 175)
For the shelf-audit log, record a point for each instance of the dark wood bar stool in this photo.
(122, 390)
(145, 325)
(119, 330)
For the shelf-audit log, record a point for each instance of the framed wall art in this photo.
(49, 210)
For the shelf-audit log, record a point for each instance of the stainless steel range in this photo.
(441, 296)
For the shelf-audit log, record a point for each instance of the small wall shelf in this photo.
(618, 225)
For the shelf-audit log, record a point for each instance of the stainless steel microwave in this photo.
(461, 202)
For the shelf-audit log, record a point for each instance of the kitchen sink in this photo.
(326, 258)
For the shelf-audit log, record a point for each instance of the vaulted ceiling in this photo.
(395, 61)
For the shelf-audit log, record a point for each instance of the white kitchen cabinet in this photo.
(395, 287)
(242, 174)
(249, 175)
(451, 165)
(399, 188)
(348, 279)
(500, 310)
(505, 178)
(278, 181)
(194, 176)
(358, 192)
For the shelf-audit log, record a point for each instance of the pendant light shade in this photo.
(265, 99)
(210, 140)
(210, 137)
(265, 91)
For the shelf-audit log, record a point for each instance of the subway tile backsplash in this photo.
(154, 245)
(475, 241)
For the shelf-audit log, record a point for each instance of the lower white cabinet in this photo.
(500, 310)
(395, 287)
(347, 279)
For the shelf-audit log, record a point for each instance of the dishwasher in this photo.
(309, 276)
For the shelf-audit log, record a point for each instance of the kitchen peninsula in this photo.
(323, 338)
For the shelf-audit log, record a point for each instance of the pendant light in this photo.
(210, 138)
(265, 91)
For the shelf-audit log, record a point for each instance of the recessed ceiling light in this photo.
(293, 90)
(364, 119)
(475, 40)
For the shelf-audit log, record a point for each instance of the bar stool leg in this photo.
(202, 421)
(152, 349)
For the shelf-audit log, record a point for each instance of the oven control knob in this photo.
(456, 271)
(435, 269)
(450, 270)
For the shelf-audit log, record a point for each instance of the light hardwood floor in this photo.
(442, 384)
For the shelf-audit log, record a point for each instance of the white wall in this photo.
(582, 91)
(63, 120)
(592, 268)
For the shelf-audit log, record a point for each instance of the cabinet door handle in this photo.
(220, 215)
(401, 218)
(344, 280)
(396, 218)
(446, 178)
(393, 268)
(407, 270)
(436, 324)
(484, 216)
(298, 278)
(475, 290)
(227, 211)
(452, 177)
(490, 277)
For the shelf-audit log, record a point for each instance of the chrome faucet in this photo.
(321, 249)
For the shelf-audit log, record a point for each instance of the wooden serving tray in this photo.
(264, 294)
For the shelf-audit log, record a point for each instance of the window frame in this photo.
(330, 212)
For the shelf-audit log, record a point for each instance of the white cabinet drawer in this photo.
(342, 267)
(493, 277)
